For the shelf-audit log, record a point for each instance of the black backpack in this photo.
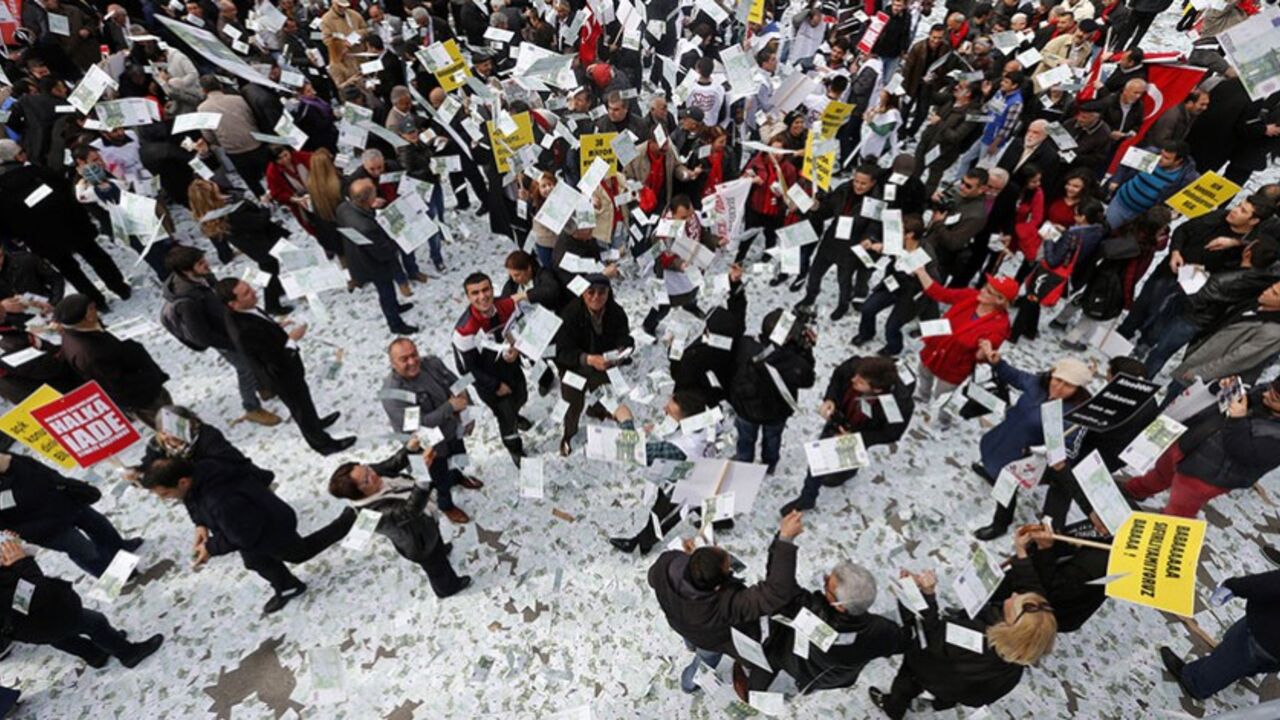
(171, 319)
(1104, 296)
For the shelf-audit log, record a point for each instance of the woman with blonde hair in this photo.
(248, 227)
(1007, 636)
(324, 192)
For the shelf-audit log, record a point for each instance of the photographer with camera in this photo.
(769, 372)
(959, 214)
(864, 396)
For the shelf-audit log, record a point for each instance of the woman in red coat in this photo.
(287, 182)
(947, 360)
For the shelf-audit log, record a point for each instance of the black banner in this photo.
(1116, 403)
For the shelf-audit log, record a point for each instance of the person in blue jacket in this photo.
(1021, 428)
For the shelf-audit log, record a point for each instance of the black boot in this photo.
(140, 651)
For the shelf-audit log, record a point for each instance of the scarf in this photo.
(656, 180)
(715, 173)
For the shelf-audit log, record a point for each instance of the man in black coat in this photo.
(56, 512)
(387, 489)
(866, 397)
(124, 368)
(54, 226)
(235, 513)
(594, 337)
(42, 610)
(848, 592)
(25, 273)
(375, 257)
(702, 599)
(706, 364)
(273, 354)
(850, 228)
(755, 393)
(198, 319)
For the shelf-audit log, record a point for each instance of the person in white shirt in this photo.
(706, 95)
(810, 31)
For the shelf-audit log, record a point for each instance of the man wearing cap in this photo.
(594, 336)
(952, 233)
(124, 368)
(415, 160)
(1093, 141)
(273, 354)
(975, 315)
(1021, 429)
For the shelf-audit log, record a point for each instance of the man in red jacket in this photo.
(946, 360)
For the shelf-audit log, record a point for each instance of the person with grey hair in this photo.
(372, 258)
(843, 603)
(401, 108)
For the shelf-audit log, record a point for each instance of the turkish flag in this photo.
(1167, 86)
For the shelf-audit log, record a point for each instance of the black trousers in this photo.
(271, 567)
(851, 275)
(1026, 324)
(769, 224)
(94, 635)
(102, 264)
(440, 574)
(577, 399)
(296, 395)
(507, 410)
(252, 167)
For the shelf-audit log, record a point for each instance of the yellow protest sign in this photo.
(504, 146)
(453, 74)
(817, 170)
(1204, 195)
(756, 15)
(834, 116)
(19, 425)
(1157, 554)
(598, 145)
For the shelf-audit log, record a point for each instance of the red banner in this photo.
(874, 28)
(1167, 86)
(87, 424)
(10, 20)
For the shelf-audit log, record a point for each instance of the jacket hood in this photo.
(680, 585)
(178, 285)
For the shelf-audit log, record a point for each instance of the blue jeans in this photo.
(246, 381)
(91, 541)
(435, 209)
(1173, 333)
(1237, 656)
(711, 659)
(1145, 311)
(770, 446)
(388, 301)
(406, 268)
(880, 299)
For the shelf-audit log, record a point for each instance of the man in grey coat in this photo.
(703, 600)
(372, 255)
(1244, 343)
(419, 393)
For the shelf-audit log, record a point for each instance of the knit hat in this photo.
(1072, 371)
(71, 309)
(1006, 286)
(9, 150)
(601, 74)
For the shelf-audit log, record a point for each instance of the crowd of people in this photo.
(972, 169)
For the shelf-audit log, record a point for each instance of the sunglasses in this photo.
(1032, 607)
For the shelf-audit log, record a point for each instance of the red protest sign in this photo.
(87, 424)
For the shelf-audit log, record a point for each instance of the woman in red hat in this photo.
(975, 315)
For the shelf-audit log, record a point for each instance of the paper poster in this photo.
(833, 116)
(1158, 556)
(506, 144)
(1114, 404)
(708, 477)
(836, 454)
(1142, 453)
(1203, 196)
(87, 423)
(1051, 425)
(94, 83)
(208, 46)
(1101, 490)
(978, 581)
(109, 585)
(597, 145)
(1251, 48)
(19, 425)
(447, 64)
(817, 170)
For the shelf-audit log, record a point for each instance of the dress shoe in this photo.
(262, 416)
(877, 698)
(779, 280)
(330, 419)
(419, 277)
(337, 446)
(1174, 665)
(405, 329)
(523, 424)
(597, 412)
(132, 544)
(990, 532)
(859, 340)
(982, 473)
(123, 291)
(448, 548)
(405, 290)
(266, 394)
(839, 312)
(138, 652)
(440, 266)
(103, 307)
(464, 582)
(792, 506)
(471, 482)
(280, 599)
(456, 516)
(566, 448)
(405, 307)
(626, 545)
(887, 353)
(798, 283)
(740, 685)
(278, 310)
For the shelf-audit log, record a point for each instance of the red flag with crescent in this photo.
(1167, 86)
